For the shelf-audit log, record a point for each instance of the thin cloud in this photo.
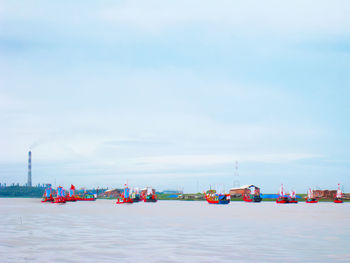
(242, 16)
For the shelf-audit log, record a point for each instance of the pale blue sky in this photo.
(171, 93)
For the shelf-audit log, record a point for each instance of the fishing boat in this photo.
(149, 196)
(214, 198)
(71, 196)
(47, 197)
(125, 197)
(254, 195)
(310, 199)
(135, 195)
(339, 196)
(282, 198)
(60, 198)
(87, 197)
(293, 197)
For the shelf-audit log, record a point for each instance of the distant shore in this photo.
(37, 192)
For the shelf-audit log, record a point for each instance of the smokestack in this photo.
(29, 169)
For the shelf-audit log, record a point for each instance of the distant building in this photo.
(145, 190)
(112, 193)
(243, 190)
(327, 194)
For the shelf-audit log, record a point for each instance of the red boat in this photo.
(135, 195)
(247, 198)
(293, 197)
(44, 200)
(124, 201)
(47, 195)
(282, 198)
(254, 196)
(339, 196)
(86, 197)
(219, 199)
(71, 196)
(125, 197)
(60, 198)
(310, 197)
(311, 201)
(148, 195)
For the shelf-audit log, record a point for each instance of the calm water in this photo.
(173, 231)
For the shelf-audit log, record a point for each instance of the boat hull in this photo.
(282, 200)
(247, 199)
(59, 200)
(47, 200)
(224, 202)
(311, 201)
(136, 200)
(124, 201)
(150, 200)
(218, 202)
(255, 199)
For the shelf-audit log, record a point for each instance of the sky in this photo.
(171, 94)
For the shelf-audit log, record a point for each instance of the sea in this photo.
(173, 231)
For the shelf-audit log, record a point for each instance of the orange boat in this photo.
(219, 199)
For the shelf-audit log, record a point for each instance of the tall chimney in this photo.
(29, 169)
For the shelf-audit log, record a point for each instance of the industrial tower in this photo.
(29, 183)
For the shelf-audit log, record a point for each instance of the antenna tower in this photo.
(236, 182)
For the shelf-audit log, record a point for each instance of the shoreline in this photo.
(184, 200)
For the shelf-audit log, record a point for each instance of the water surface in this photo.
(173, 231)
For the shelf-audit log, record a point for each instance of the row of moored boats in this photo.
(213, 197)
(128, 195)
(61, 196)
(133, 195)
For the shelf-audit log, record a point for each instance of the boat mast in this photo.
(339, 192)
